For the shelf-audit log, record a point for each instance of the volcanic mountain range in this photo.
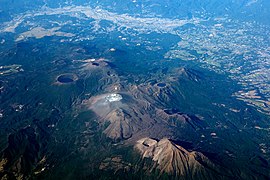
(146, 116)
(138, 114)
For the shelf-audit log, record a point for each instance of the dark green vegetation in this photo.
(134, 90)
(45, 134)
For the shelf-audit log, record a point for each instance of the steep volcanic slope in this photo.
(120, 116)
(120, 124)
(175, 160)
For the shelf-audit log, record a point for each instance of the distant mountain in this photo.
(250, 10)
(240, 9)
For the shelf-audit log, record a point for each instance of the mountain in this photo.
(121, 124)
(173, 159)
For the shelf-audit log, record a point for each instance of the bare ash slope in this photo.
(175, 160)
